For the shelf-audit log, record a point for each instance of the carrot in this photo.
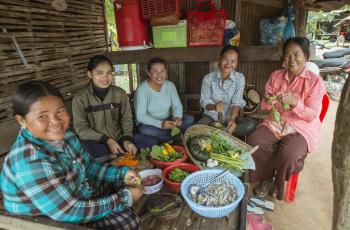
(127, 160)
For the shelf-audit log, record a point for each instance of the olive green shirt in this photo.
(99, 120)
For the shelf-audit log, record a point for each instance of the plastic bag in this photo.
(272, 30)
(289, 31)
(231, 34)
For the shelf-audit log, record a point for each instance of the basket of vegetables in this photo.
(175, 174)
(209, 147)
(165, 155)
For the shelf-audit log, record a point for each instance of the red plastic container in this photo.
(160, 7)
(206, 28)
(163, 164)
(174, 186)
(132, 28)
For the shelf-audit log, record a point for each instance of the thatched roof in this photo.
(325, 5)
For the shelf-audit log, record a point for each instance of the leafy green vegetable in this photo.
(175, 131)
(276, 114)
(178, 175)
(145, 153)
(157, 153)
(285, 106)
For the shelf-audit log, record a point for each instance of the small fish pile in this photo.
(216, 195)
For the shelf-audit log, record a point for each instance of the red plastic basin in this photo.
(164, 164)
(174, 186)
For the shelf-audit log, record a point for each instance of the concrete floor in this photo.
(313, 205)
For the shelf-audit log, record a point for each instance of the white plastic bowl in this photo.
(150, 172)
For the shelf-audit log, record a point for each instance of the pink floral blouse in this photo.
(304, 117)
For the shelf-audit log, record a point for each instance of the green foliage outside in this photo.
(111, 26)
(314, 17)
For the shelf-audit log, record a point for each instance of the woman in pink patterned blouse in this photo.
(294, 98)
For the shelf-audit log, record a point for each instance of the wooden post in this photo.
(131, 78)
(341, 162)
(300, 17)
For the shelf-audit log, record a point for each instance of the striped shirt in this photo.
(230, 92)
(39, 178)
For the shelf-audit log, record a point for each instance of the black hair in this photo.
(228, 48)
(29, 92)
(96, 60)
(302, 42)
(156, 60)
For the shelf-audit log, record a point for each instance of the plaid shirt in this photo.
(230, 92)
(38, 179)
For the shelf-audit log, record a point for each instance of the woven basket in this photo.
(196, 130)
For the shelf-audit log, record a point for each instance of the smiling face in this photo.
(157, 74)
(228, 62)
(294, 59)
(47, 118)
(102, 75)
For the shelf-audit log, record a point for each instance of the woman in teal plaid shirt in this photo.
(48, 173)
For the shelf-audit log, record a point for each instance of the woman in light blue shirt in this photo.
(158, 106)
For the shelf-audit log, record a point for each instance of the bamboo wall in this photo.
(55, 44)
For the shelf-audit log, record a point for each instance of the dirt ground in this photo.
(313, 205)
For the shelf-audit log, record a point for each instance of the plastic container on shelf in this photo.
(170, 36)
(206, 28)
(160, 7)
(132, 28)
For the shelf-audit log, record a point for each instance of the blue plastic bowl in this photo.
(204, 176)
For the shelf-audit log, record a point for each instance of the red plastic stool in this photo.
(293, 181)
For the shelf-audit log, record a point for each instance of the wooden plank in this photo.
(38, 223)
(195, 54)
(9, 138)
(271, 3)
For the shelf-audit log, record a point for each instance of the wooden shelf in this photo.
(195, 54)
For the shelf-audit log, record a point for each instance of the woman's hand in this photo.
(219, 107)
(129, 147)
(132, 178)
(231, 126)
(177, 121)
(288, 98)
(166, 124)
(114, 147)
(136, 193)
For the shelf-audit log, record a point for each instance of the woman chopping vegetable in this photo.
(294, 97)
(102, 116)
(158, 106)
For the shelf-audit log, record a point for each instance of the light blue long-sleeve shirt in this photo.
(153, 107)
(230, 92)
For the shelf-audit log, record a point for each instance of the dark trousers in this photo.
(276, 158)
(98, 150)
(164, 135)
(244, 127)
(125, 220)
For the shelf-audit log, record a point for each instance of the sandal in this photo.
(263, 188)
(253, 209)
(262, 203)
